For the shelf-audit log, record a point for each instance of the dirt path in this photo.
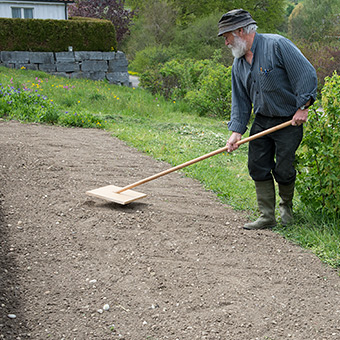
(175, 265)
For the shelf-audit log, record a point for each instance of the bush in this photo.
(48, 35)
(150, 58)
(205, 84)
(318, 162)
(25, 105)
(212, 95)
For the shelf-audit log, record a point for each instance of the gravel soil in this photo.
(174, 265)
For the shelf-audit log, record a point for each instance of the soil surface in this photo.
(174, 265)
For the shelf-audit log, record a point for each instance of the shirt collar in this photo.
(253, 46)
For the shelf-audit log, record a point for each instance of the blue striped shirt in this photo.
(278, 82)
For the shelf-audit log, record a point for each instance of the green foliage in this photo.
(54, 35)
(150, 58)
(205, 85)
(212, 95)
(315, 20)
(199, 40)
(318, 162)
(190, 28)
(25, 105)
(83, 119)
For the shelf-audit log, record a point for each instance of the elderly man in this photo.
(272, 78)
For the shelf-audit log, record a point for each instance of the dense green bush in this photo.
(318, 162)
(212, 95)
(48, 35)
(204, 84)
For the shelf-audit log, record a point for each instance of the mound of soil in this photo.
(175, 265)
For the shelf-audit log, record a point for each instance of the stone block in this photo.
(33, 67)
(118, 65)
(120, 78)
(68, 67)
(47, 67)
(88, 55)
(65, 57)
(94, 66)
(109, 55)
(15, 57)
(41, 57)
(94, 75)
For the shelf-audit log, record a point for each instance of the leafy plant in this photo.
(318, 161)
(86, 120)
(204, 84)
(27, 105)
(212, 95)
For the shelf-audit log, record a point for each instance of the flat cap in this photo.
(233, 20)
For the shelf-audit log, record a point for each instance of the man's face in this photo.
(237, 45)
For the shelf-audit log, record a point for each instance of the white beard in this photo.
(239, 48)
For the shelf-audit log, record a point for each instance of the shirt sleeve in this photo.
(241, 105)
(300, 71)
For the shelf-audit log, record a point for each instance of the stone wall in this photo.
(112, 66)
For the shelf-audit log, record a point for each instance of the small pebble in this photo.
(12, 316)
(106, 307)
(100, 311)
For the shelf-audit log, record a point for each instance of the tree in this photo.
(315, 20)
(268, 13)
(112, 10)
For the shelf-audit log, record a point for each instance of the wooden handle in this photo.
(201, 158)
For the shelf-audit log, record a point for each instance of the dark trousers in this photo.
(273, 154)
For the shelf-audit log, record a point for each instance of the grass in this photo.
(167, 131)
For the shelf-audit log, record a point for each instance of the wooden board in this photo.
(109, 193)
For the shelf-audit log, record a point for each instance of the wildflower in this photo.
(23, 68)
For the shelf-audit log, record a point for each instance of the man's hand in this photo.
(300, 117)
(234, 138)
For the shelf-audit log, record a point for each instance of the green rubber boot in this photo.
(286, 193)
(265, 193)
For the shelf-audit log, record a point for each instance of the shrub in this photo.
(318, 161)
(150, 58)
(25, 105)
(212, 95)
(204, 84)
(45, 35)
